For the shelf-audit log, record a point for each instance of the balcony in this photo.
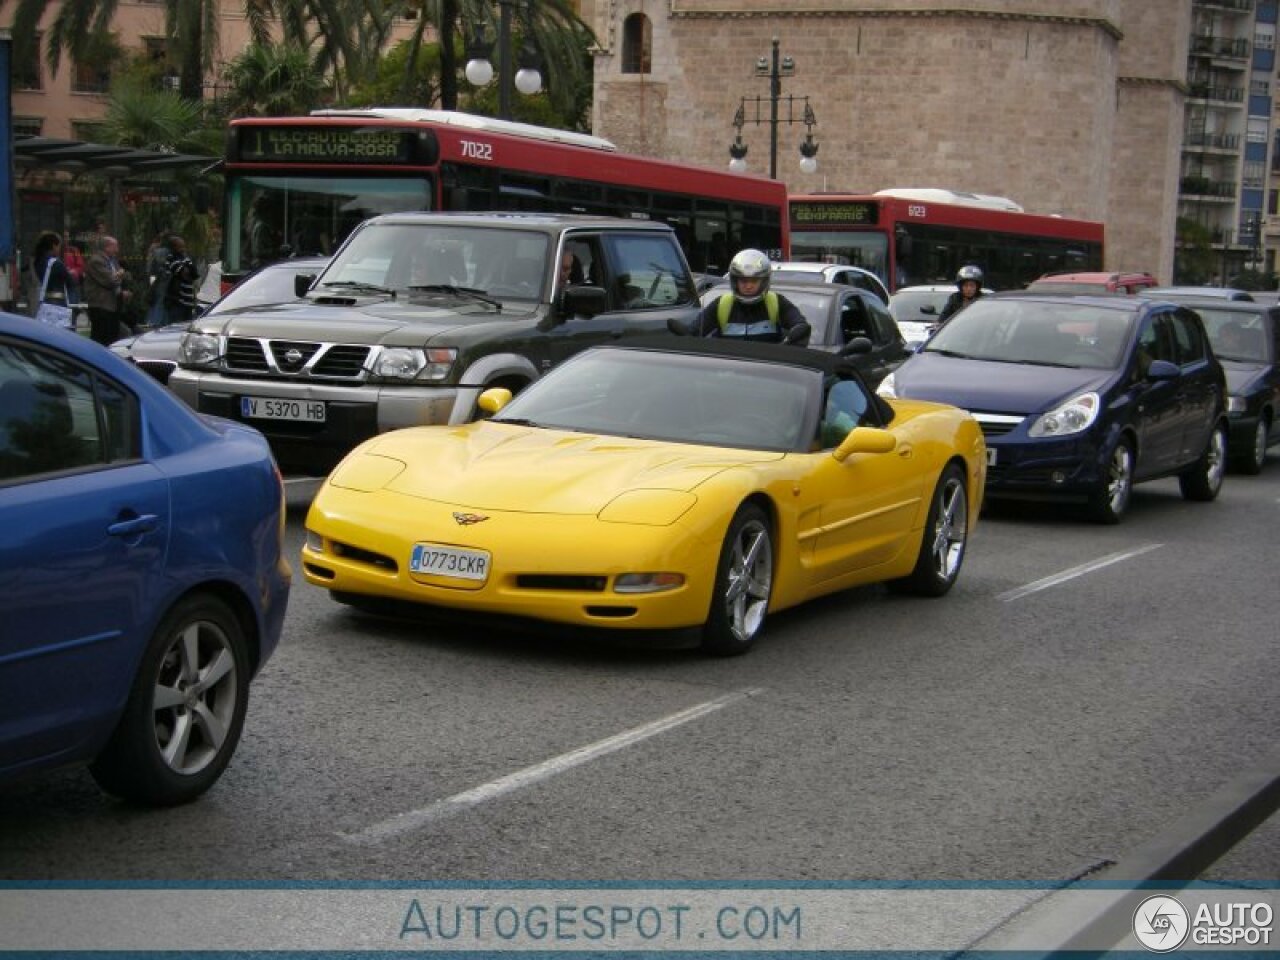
(1239, 6)
(1229, 48)
(1229, 142)
(1203, 188)
(1219, 93)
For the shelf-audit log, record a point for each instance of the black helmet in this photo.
(753, 265)
(969, 272)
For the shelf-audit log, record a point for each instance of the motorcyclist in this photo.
(752, 311)
(968, 289)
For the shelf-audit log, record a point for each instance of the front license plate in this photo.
(442, 561)
(991, 456)
(272, 408)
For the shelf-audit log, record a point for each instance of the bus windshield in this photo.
(270, 218)
(868, 249)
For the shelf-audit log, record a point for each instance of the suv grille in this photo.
(296, 358)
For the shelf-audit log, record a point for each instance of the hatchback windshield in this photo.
(1046, 334)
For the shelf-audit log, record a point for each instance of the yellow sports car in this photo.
(665, 484)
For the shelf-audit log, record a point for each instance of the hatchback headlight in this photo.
(1074, 416)
(1236, 404)
(888, 387)
(198, 349)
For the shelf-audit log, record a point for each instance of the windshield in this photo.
(1235, 335)
(868, 249)
(720, 401)
(1046, 334)
(273, 285)
(271, 218)
(433, 259)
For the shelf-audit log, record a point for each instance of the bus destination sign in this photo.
(325, 144)
(817, 213)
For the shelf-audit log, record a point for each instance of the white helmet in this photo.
(752, 265)
(969, 272)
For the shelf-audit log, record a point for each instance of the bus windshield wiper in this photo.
(360, 286)
(464, 293)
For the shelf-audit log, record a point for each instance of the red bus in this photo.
(298, 185)
(910, 237)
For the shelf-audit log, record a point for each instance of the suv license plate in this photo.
(443, 561)
(273, 408)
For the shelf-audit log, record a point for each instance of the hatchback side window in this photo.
(1188, 338)
(1154, 343)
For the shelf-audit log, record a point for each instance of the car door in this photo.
(1200, 387)
(86, 523)
(860, 511)
(1158, 416)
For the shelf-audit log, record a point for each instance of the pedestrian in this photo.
(968, 290)
(104, 292)
(51, 283)
(752, 311)
(157, 278)
(74, 261)
(180, 290)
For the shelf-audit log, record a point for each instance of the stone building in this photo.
(1071, 107)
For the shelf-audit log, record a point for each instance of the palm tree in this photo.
(270, 80)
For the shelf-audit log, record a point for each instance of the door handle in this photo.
(905, 450)
(135, 526)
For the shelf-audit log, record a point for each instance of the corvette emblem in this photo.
(467, 519)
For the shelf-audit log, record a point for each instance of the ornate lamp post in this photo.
(479, 69)
(774, 69)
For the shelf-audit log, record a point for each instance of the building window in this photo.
(1258, 130)
(1273, 197)
(637, 44)
(26, 75)
(90, 131)
(27, 126)
(1255, 174)
(1264, 38)
(1260, 88)
(89, 78)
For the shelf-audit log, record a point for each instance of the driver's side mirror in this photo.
(493, 399)
(929, 310)
(586, 301)
(865, 440)
(1163, 370)
(302, 283)
(857, 347)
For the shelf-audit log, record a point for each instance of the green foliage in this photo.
(270, 80)
(388, 87)
(1195, 260)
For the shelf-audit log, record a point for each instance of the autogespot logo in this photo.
(1161, 924)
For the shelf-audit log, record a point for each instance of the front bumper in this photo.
(1073, 468)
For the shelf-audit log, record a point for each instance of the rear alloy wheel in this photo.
(1111, 502)
(183, 718)
(946, 534)
(1251, 463)
(744, 583)
(1204, 480)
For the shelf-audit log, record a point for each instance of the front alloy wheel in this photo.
(744, 583)
(1110, 504)
(1204, 479)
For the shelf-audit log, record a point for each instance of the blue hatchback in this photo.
(142, 579)
(1080, 397)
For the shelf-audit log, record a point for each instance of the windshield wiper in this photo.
(359, 286)
(465, 293)
(517, 421)
(950, 353)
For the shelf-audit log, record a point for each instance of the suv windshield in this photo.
(505, 264)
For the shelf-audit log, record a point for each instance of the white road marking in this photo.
(415, 819)
(1065, 575)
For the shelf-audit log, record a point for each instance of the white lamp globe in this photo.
(808, 165)
(479, 72)
(738, 165)
(528, 81)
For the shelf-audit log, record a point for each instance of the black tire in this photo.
(1110, 503)
(184, 715)
(944, 540)
(1203, 481)
(1252, 460)
(743, 585)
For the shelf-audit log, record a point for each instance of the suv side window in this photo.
(648, 271)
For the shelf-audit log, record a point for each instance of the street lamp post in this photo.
(479, 69)
(775, 69)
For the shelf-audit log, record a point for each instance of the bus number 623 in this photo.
(477, 151)
(917, 210)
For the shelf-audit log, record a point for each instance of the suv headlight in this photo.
(199, 349)
(410, 363)
(1075, 415)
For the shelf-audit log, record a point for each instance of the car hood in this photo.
(159, 344)
(996, 387)
(495, 466)
(372, 322)
(1241, 374)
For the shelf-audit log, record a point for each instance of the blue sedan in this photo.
(142, 580)
(1081, 397)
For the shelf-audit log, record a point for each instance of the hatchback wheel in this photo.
(1204, 480)
(1253, 459)
(1110, 503)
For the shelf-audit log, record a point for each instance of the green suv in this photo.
(418, 313)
